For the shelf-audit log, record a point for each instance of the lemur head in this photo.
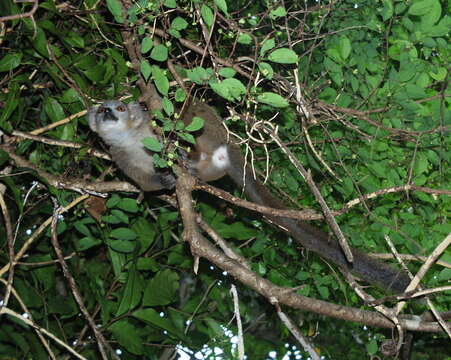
(114, 120)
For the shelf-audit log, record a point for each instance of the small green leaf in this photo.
(86, 243)
(116, 217)
(371, 347)
(146, 69)
(123, 234)
(161, 290)
(222, 5)
(230, 89)
(207, 15)
(266, 70)
(122, 246)
(160, 79)
(10, 61)
(146, 232)
(227, 72)
(198, 75)
(128, 205)
(172, 4)
(244, 39)
(344, 47)
(196, 124)
(387, 10)
(146, 45)
(53, 109)
(421, 164)
(188, 138)
(113, 201)
(159, 162)
(283, 56)
(268, 44)
(179, 24)
(168, 107)
(272, 99)
(421, 7)
(438, 74)
(152, 144)
(152, 317)
(277, 13)
(115, 8)
(159, 53)
(180, 95)
(132, 291)
(128, 336)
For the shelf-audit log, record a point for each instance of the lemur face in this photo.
(111, 116)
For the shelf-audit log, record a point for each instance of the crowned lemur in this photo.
(123, 127)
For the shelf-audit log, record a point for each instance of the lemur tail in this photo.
(313, 239)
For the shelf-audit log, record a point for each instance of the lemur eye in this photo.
(121, 108)
(101, 110)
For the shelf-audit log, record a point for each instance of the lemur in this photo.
(123, 127)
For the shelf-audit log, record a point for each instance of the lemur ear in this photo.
(92, 118)
(137, 115)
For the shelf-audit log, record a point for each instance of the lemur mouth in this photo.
(109, 116)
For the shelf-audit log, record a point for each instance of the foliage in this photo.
(374, 75)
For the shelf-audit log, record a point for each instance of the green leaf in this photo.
(421, 164)
(128, 336)
(10, 61)
(196, 124)
(438, 74)
(54, 110)
(227, 72)
(188, 137)
(371, 347)
(161, 80)
(272, 99)
(168, 107)
(159, 53)
(87, 243)
(207, 15)
(116, 217)
(268, 44)
(283, 56)
(146, 232)
(179, 24)
(153, 318)
(344, 47)
(129, 205)
(146, 69)
(123, 234)
(172, 4)
(198, 75)
(179, 95)
(277, 13)
(161, 289)
(115, 8)
(387, 10)
(236, 230)
(266, 70)
(244, 39)
(146, 45)
(421, 7)
(222, 5)
(132, 292)
(122, 246)
(152, 144)
(159, 162)
(230, 89)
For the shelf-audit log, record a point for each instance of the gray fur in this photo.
(123, 132)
